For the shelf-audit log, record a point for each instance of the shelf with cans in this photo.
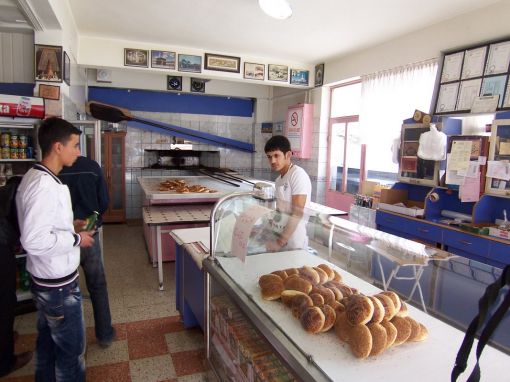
(16, 145)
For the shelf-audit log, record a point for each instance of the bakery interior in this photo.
(176, 100)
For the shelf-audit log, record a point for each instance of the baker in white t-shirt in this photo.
(293, 193)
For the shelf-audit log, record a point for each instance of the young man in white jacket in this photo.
(53, 254)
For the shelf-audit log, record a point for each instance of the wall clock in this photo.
(174, 83)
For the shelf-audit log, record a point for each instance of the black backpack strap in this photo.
(489, 297)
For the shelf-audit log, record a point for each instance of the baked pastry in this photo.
(291, 271)
(394, 298)
(337, 292)
(271, 287)
(342, 327)
(379, 338)
(309, 274)
(323, 276)
(391, 333)
(359, 310)
(403, 312)
(317, 299)
(389, 308)
(282, 274)
(424, 333)
(329, 271)
(360, 341)
(297, 283)
(288, 295)
(403, 330)
(415, 328)
(327, 294)
(339, 307)
(329, 317)
(299, 304)
(378, 315)
(337, 276)
(313, 319)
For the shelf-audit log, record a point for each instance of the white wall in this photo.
(471, 28)
(17, 57)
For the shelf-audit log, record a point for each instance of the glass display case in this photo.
(255, 333)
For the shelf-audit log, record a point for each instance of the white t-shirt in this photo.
(295, 182)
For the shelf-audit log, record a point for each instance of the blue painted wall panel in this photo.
(20, 89)
(166, 102)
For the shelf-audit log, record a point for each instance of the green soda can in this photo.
(91, 221)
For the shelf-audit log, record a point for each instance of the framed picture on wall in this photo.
(67, 69)
(136, 57)
(254, 71)
(222, 63)
(162, 59)
(278, 73)
(197, 85)
(49, 91)
(48, 63)
(174, 83)
(299, 77)
(319, 75)
(190, 63)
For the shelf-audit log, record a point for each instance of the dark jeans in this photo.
(7, 305)
(92, 265)
(61, 333)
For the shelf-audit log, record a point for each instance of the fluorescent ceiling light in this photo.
(279, 9)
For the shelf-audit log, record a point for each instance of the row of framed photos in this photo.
(52, 64)
(162, 59)
(471, 74)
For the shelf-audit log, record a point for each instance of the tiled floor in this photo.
(151, 343)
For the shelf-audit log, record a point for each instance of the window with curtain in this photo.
(387, 98)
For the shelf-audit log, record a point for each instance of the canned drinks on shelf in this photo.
(14, 153)
(14, 141)
(22, 153)
(5, 139)
(6, 153)
(22, 141)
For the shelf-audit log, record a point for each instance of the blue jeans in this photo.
(92, 265)
(61, 333)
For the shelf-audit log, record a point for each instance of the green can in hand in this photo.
(91, 221)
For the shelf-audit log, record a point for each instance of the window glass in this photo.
(345, 100)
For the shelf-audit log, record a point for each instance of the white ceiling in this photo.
(318, 29)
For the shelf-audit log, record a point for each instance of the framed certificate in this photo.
(447, 98)
(498, 59)
(468, 91)
(452, 66)
(474, 62)
(494, 86)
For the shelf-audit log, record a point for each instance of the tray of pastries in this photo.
(321, 301)
(180, 186)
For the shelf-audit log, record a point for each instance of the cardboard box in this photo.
(390, 197)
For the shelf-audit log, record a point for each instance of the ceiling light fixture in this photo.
(278, 9)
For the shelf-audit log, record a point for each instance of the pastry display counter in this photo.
(253, 338)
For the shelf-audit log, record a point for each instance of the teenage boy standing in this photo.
(293, 192)
(53, 254)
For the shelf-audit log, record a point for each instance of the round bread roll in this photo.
(326, 268)
(378, 315)
(346, 290)
(337, 276)
(299, 304)
(297, 283)
(415, 328)
(282, 274)
(360, 341)
(317, 299)
(379, 338)
(336, 291)
(322, 275)
(391, 333)
(309, 274)
(329, 317)
(403, 330)
(424, 333)
(291, 271)
(288, 295)
(327, 294)
(394, 298)
(342, 327)
(339, 307)
(359, 310)
(268, 279)
(403, 312)
(389, 308)
(313, 320)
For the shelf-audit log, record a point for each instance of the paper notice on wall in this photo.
(243, 228)
(504, 148)
(459, 155)
(482, 160)
(498, 169)
(469, 190)
(472, 171)
(452, 178)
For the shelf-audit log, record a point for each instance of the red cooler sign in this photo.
(21, 106)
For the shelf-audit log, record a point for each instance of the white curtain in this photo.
(387, 98)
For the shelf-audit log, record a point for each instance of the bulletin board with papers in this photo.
(474, 79)
(498, 164)
(466, 165)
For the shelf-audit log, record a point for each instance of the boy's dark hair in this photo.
(278, 142)
(53, 130)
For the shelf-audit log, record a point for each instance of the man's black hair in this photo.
(278, 142)
(53, 130)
